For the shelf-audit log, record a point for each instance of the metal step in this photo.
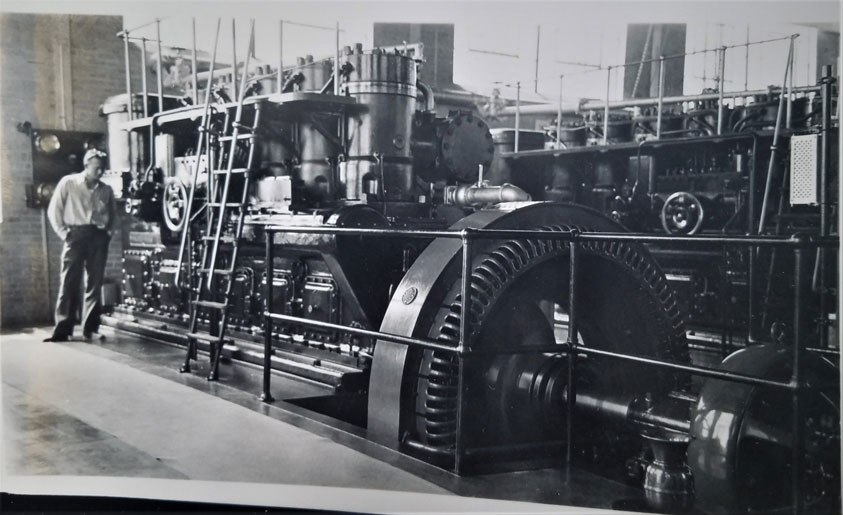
(209, 338)
(226, 204)
(233, 170)
(210, 304)
(217, 271)
(239, 137)
(285, 364)
(241, 127)
(223, 239)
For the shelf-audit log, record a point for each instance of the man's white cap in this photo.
(92, 153)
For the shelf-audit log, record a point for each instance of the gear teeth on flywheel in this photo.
(490, 276)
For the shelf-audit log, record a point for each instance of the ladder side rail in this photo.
(203, 127)
(223, 324)
(232, 148)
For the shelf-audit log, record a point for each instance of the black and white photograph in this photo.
(420, 257)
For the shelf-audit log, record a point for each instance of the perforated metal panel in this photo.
(804, 160)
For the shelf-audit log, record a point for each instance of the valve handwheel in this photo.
(682, 213)
(174, 204)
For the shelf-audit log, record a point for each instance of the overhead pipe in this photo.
(591, 105)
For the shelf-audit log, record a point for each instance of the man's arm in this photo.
(112, 212)
(55, 211)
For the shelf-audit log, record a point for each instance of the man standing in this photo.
(82, 212)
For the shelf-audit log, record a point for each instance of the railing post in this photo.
(464, 346)
(721, 82)
(559, 116)
(337, 60)
(143, 79)
(281, 56)
(789, 118)
(572, 358)
(827, 82)
(234, 60)
(193, 68)
(129, 104)
(266, 396)
(158, 67)
(661, 98)
(517, 113)
(802, 289)
(606, 107)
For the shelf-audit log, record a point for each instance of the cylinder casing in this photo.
(316, 175)
(379, 158)
(125, 148)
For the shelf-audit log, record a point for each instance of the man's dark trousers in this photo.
(85, 250)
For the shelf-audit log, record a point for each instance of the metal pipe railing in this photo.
(492, 234)
(463, 350)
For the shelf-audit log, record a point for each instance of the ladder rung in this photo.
(217, 271)
(205, 337)
(223, 239)
(239, 137)
(210, 304)
(226, 204)
(242, 127)
(233, 170)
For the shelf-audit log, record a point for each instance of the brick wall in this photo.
(37, 54)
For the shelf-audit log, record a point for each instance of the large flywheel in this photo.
(519, 298)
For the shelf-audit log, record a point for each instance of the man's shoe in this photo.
(55, 338)
(91, 336)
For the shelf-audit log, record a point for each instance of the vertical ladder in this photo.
(218, 207)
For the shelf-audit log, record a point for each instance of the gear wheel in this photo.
(518, 289)
(492, 275)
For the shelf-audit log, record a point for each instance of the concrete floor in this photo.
(85, 409)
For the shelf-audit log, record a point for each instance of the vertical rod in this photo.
(661, 98)
(517, 113)
(606, 107)
(266, 396)
(465, 342)
(559, 116)
(790, 85)
(721, 82)
(158, 67)
(128, 74)
(337, 60)
(746, 62)
(572, 357)
(753, 251)
(234, 58)
(280, 56)
(800, 332)
(762, 222)
(144, 85)
(193, 67)
(538, 45)
(827, 82)
(209, 159)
